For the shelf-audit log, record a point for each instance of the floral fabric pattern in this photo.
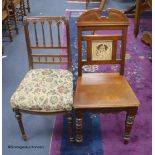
(46, 90)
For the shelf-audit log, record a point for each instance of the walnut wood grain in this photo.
(103, 90)
(114, 17)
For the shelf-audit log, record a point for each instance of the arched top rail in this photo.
(94, 17)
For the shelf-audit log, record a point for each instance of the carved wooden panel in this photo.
(102, 49)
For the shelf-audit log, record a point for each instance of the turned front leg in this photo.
(79, 119)
(28, 6)
(131, 113)
(22, 10)
(10, 29)
(15, 17)
(70, 126)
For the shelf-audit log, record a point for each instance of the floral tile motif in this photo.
(102, 50)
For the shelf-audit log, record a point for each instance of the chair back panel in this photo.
(104, 47)
(49, 34)
(101, 49)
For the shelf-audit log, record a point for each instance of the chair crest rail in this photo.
(93, 18)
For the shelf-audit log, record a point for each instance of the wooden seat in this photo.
(45, 90)
(103, 92)
(106, 90)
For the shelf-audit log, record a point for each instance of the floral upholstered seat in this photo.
(44, 90)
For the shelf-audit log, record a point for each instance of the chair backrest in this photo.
(47, 33)
(102, 48)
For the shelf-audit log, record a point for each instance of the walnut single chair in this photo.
(46, 91)
(103, 92)
(6, 15)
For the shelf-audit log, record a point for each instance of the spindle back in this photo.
(46, 33)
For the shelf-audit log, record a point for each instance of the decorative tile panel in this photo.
(102, 49)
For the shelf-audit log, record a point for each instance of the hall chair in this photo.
(103, 92)
(46, 91)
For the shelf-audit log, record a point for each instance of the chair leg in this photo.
(70, 125)
(22, 10)
(129, 123)
(137, 18)
(28, 6)
(19, 119)
(10, 29)
(79, 119)
(15, 18)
